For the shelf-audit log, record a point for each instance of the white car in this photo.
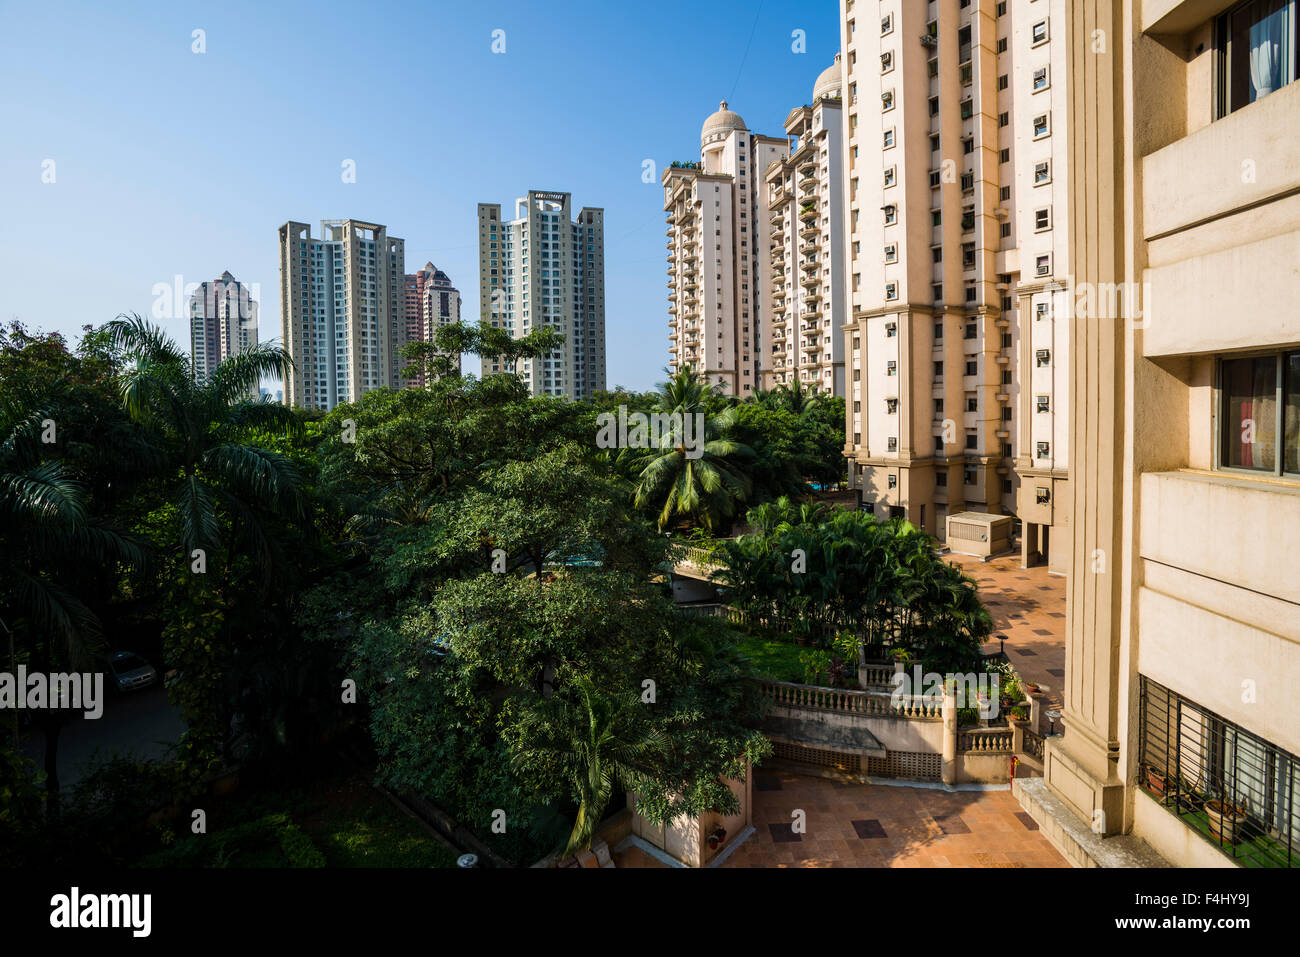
(130, 672)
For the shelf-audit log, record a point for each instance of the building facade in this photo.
(719, 257)
(431, 303)
(342, 310)
(545, 268)
(223, 322)
(802, 335)
(1184, 606)
(956, 234)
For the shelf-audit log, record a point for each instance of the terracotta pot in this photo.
(1156, 781)
(1226, 821)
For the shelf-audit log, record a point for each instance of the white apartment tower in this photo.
(956, 338)
(223, 322)
(545, 268)
(802, 335)
(719, 256)
(342, 310)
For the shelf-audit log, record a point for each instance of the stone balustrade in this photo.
(881, 703)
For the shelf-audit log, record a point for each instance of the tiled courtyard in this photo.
(859, 825)
(1028, 607)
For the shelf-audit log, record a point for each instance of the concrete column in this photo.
(949, 735)
(1082, 768)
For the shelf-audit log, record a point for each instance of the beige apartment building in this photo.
(719, 257)
(800, 336)
(956, 235)
(223, 323)
(1183, 645)
(342, 310)
(546, 268)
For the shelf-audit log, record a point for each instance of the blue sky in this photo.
(168, 162)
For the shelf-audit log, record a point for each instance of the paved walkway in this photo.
(860, 825)
(1028, 609)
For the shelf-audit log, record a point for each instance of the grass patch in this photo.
(773, 660)
(337, 823)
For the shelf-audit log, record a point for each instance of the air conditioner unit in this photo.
(1044, 269)
(1042, 496)
(929, 41)
(1042, 449)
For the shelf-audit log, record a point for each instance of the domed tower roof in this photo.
(721, 123)
(830, 83)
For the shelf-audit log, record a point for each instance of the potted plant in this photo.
(1019, 713)
(1157, 782)
(1226, 820)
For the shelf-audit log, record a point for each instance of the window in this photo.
(936, 254)
(886, 62)
(1041, 81)
(1005, 230)
(968, 255)
(891, 290)
(938, 408)
(936, 217)
(1042, 172)
(972, 367)
(941, 478)
(1041, 126)
(1042, 357)
(1042, 496)
(972, 331)
(891, 330)
(886, 25)
(892, 444)
(891, 214)
(893, 483)
(1002, 8)
(968, 476)
(1004, 155)
(1259, 400)
(1042, 219)
(972, 405)
(1256, 52)
(1004, 194)
(1043, 265)
(1042, 449)
(1042, 403)
(887, 101)
(1004, 119)
(891, 367)
(967, 182)
(891, 253)
(1003, 81)
(891, 406)
(1038, 33)
(938, 331)
(1002, 45)
(1043, 310)
(934, 106)
(891, 176)
(889, 139)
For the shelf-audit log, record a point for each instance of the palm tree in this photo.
(47, 541)
(794, 397)
(205, 423)
(707, 487)
(597, 742)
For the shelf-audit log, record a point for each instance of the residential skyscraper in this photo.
(719, 256)
(957, 231)
(342, 310)
(223, 322)
(802, 335)
(545, 268)
(431, 302)
(1183, 638)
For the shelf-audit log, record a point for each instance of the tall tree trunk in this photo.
(51, 726)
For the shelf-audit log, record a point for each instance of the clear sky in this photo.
(167, 162)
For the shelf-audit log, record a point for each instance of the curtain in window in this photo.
(1250, 415)
(1272, 54)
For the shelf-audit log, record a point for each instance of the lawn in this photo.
(774, 660)
(338, 823)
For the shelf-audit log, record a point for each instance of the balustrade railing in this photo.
(986, 741)
(882, 703)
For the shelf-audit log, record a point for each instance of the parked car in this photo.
(129, 672)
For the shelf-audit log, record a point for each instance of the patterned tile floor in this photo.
(860, 825)
(1028, 608)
